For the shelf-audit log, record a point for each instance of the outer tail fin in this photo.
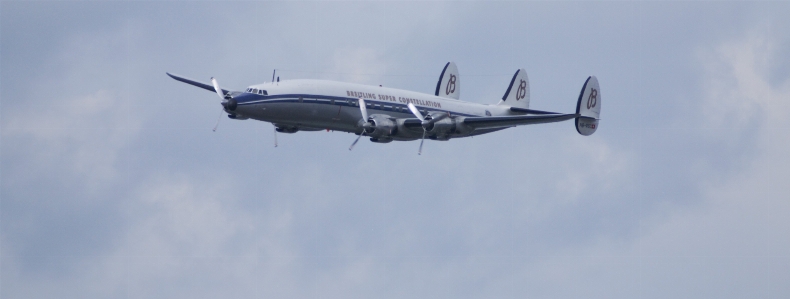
(517, 94)
(588, 107)
(449, 85)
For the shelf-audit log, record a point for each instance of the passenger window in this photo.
(265, 93)
(488, 113)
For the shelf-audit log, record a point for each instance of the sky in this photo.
(113, 185)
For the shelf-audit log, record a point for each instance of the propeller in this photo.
(221, 96)
(218, 118)
(427, 122)
(227, 102)
(275, 135)
(417, 113)
(363, 109)
(217, 89)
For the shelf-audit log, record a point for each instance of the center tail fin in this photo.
(517, 93)
(449, 85)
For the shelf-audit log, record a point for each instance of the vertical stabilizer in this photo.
(449, 83)
(517, 93)
(588, 107)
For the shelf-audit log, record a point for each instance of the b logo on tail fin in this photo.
(522, 90)
(450, 85)
(592, 100)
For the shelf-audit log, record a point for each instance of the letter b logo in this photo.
(450, 85)
(522, 90)
(592, 100)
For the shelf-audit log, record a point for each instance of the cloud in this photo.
(733, 243)
(85, 134)
(118, 188)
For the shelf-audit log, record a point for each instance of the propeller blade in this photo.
(275, 135)
(217, 89)
(220, 117)
(415, 111)
(364, 109)
(421, 141)
(355, 141)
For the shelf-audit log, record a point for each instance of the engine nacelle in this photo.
(381, 140)
(460, 127)
(286, 129)
(381, 126)
(443, 127)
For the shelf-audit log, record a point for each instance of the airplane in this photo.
(385, 114)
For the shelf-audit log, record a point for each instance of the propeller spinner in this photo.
(228, 103)
(427, 122)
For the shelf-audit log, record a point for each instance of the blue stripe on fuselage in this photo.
(252, 99)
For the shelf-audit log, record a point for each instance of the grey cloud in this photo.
(113, 184)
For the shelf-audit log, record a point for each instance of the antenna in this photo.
(275, 71)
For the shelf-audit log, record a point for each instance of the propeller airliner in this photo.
(385, 114)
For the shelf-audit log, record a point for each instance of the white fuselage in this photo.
(319, 104)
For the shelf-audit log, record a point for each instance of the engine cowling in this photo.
(381, 126)
(443, 127)
(237, 116)
(381, 140)
(286, 129)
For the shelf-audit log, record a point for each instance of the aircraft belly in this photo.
(308, 115)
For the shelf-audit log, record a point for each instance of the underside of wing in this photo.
(487, 122)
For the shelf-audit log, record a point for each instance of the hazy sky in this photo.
(114, 186)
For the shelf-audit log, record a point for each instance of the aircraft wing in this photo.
(489, 122)
(195, 83)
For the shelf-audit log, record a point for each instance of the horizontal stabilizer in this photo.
(205, 86)
(531, 111)
(487, 122)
